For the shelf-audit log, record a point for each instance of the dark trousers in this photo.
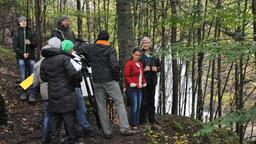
(3, 115)
(148, 103)
(56, 120)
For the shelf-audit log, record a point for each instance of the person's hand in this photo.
(132, 85)
(27, 42)
(154, 69)
(144, 85)
(25, 55)
(147, 68)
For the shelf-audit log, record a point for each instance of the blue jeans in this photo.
(46, 129)
(81, 111)
(135, 96)
(26, 69)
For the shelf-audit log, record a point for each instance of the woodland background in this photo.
(207, 49)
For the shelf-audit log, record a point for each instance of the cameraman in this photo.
(105, 72)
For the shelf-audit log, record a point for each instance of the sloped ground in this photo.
(24, 119)
(182, 130)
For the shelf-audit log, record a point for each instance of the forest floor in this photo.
(25, 119)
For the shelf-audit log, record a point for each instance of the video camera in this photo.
(80, 47)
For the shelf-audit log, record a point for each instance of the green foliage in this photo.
(241, 117)
(223, 136)
(231, 50)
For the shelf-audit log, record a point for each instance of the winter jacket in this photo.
(132, 73)
(19, 38)
(104, 63)
(58, 70)
(151, 60)
(63, 33)
(37, 81)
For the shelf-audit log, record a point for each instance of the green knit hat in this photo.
(67, 46)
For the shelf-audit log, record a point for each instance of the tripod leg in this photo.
(90, 91)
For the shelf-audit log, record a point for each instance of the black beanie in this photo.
(103, 35)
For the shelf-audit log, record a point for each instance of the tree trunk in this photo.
(174, 61)
(200, 106)
(38, 18)
(154, 23)
(3, 27)
(162, 99)
(99, 16)
(254, 23)
(105, 15)
(193, 88)
(186, 88)
(212, 91)
(217, 27)
(79, 19)
(124, 31)
(88, 21)
(135, 21)
(45, 2)
(94, 20)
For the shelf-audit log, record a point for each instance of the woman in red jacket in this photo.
(134, 80)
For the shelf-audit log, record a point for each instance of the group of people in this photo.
(58, 73)
(140, 74)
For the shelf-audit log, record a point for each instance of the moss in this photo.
(7, 52)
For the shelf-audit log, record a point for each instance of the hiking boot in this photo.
(129, 132)
(91, 132)
(32, 98)
(107, 136)
(23, 96)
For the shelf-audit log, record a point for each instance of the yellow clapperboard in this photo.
(27, 82)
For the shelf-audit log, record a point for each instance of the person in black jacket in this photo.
(63, 31)
(151, 66)
(62, 75)
(105, 75)
(24, 45)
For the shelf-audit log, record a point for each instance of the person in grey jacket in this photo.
(37, 81)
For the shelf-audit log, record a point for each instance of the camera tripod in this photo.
(90, 91)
